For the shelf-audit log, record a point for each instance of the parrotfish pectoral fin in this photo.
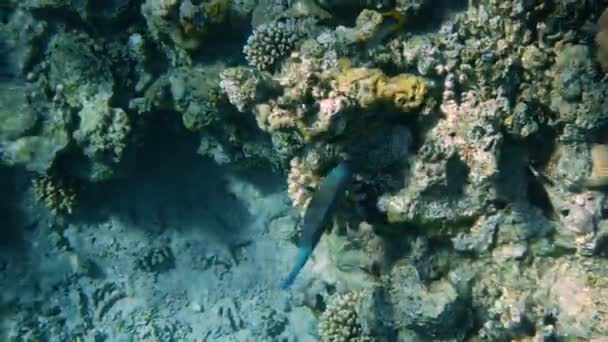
(301, 258)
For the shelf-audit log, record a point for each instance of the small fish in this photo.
(392, 22)
(317, 216)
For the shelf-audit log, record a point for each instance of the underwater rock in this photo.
(410, 6)
(578, 94)
(579, 305)
(104, 135)
(78, 68)
(17, 117)
(366, 26)
(453, 174)
(436, 311)
(355, 4)
(184, 25)
(228, 317)
(480, 237)
(386, 145)
(88, 10)
(284, 228)
(196, 93)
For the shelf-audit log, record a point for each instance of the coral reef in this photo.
(476, 132)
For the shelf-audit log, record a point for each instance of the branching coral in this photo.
(56, 193)
(339, 321)
(271, 42)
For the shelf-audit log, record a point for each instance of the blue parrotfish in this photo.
(317, 216)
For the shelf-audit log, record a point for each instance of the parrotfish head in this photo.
(343, 170)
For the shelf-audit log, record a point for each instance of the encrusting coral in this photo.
(405, 92)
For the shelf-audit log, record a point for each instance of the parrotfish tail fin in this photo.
(301, 258)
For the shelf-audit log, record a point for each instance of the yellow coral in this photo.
(360, 83)
(405, 92)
